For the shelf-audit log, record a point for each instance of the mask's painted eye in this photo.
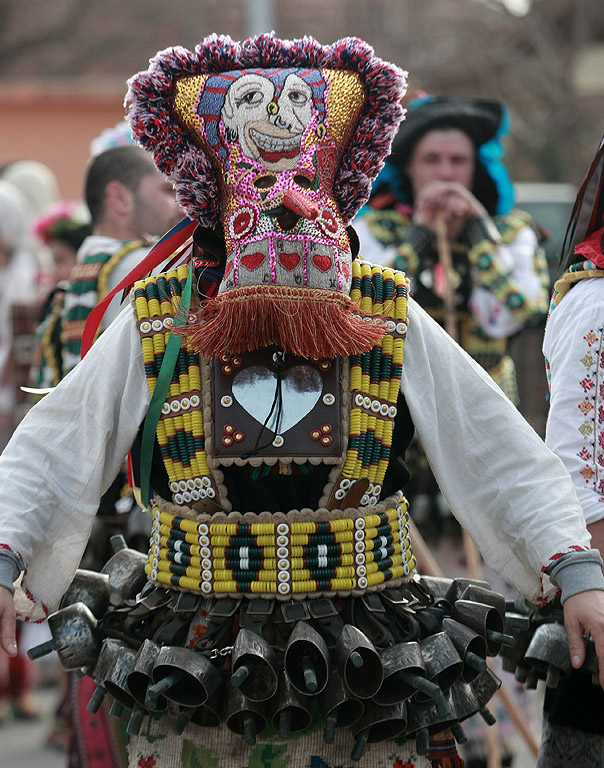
(302, 181)
(265, 182)
(251, 97)
(298, 97)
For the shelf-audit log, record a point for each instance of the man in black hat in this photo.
(444, 173)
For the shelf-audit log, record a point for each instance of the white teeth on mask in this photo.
(274, 144)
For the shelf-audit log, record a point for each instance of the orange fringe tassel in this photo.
(303, 322)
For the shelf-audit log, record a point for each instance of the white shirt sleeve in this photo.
(517, 260)
(65, 454)
(574, 347)
(508, 490)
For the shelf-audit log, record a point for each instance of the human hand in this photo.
(584, 615)
(7, 622)
(449, 198)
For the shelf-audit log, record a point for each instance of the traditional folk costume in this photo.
(573, 731)
(500, 275)
(277, 619)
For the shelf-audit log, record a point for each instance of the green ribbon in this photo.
(160, 392)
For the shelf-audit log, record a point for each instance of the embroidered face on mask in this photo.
(276, 143)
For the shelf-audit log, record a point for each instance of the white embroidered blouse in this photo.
(574, 347)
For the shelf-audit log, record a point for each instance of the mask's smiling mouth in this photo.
(273, 148)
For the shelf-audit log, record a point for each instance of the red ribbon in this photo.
(160, 252)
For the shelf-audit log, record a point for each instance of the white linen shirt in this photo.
(510, 492)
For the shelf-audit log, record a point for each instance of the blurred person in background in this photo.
(18, 284)
(18, 272)
(444, 192)
(130, 205)
(40, 187)
(573, 724)
(62, 230)
(445, 167)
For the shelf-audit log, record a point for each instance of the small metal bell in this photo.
(378, 724)
(470, 646)
(337, 706)
(110, 650)
(290, 711)
(359, 663)
(75, 638)
(244, 717)
(485, 620)
(90, 588)
(459, 586)
(209, 715)
(549, 653)
(254, 668)
(140, 677)
(306, 659)
(442, 661)
(126, 572)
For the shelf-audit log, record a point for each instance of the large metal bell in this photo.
(110, 650)
(478, 594)
(403, 664)
(428, 716)
(209, 715)
(358, 662)
(463, 700)
(254, 668)
(485, 686)
(458, 587)
(484, 619)
(307, 659)
(117, 675)
(437, 586)
(90, 588)
(183, 676)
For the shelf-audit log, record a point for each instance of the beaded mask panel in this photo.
(285, 137)
(275, 137)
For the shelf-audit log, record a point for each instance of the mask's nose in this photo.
(300, 204)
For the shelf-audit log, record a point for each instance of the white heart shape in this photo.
(255, 387)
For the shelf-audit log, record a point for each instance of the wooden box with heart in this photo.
(271, 405)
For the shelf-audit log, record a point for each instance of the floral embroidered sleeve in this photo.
(509, 273)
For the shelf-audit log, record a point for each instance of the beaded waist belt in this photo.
(280, 559)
